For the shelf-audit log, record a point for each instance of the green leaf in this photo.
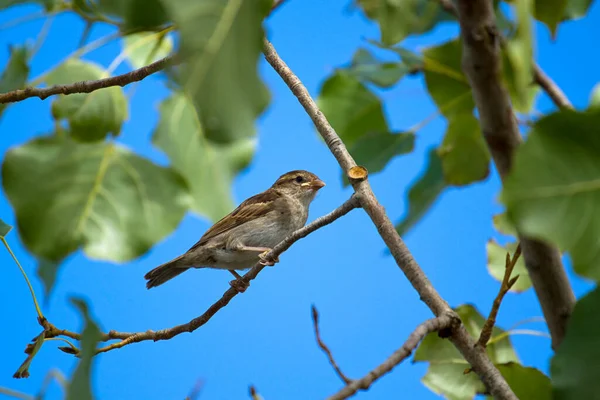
(367, 68)
(16, 72)
(423, 193)
(80, 387)
(553, 190)
(575, 365)
(526, 382)
(351, 108)
(496, 264)
(47, 271)
(503, 224)
(400, 18)
(445, 81)
(550, 12)
(445, 374)
(91, 116)
(208, 167)
(375, 150)
(135, 15)
(145, 48)
(100, 196)
(48, 5)
(519, 51)
(221, 42)
(523, 99)
(576, 8)
(595, 97)
(31, 351)
(4, 228)
(463, 138)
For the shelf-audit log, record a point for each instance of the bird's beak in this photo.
(317, 184)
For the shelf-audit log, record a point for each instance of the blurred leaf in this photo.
(445, 374)
(595, 97)
(576, 8)
(31, 350)
(145, 48)
(80, 387)
(100, 196)
(351, 108)
(527, 383)
(16, 72)
(553, 193)
(464, 153)
(519, 51)
(575, 365)
(400, 18)
(91, 116)
(47, 271)
(135, 15)
(48, 5)
(383, 74)
(208, 167)
(496, 264)
(4, 228)
(375, 150)
(521, 102)
(503, 225)
(221, 42)
(446, 83)
(550, 12)
(423, 193)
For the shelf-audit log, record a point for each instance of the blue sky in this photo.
(265, 336)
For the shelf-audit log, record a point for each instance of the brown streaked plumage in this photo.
(238, 240)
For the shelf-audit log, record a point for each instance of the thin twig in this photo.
(481, 363)
(323, 346)
(431, 325)
(87, 86)
(482, 64)
(507, 283)
(550, 87)
(165, 334)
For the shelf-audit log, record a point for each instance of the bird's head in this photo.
(300, 184)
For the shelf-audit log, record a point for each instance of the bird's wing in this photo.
(252, 208)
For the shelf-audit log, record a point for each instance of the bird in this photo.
(242, 238)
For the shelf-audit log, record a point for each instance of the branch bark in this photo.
(431, 325)
(87, 86)
(539, 76)
(478, 359)
(482, 66)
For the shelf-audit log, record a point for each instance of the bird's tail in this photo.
(165, 272)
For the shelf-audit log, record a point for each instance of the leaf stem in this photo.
(37, 306)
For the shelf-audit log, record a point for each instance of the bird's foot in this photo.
(264, 261)
(239, 285)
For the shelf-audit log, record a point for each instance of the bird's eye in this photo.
(299, 179)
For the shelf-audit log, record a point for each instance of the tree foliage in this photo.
(76, 187)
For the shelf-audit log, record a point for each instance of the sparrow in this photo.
(242, 238)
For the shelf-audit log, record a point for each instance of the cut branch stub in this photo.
(357, 174)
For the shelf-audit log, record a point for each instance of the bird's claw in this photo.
(239, 285)
(263, 261)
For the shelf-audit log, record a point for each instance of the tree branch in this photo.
(166, 334)
(482, 66)
(431, 325)
(323, 346)
(539, 76)
(507, 283)
(87, 86)
(478, 359)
